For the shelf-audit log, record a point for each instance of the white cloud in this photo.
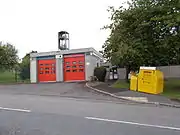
(34, 24)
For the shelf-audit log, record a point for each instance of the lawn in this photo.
(171, 87)
(121, 84)
(8, 77)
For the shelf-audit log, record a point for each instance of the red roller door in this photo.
(74, 67)
(47, 70)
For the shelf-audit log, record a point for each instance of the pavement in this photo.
(26, 111)
(131, 95)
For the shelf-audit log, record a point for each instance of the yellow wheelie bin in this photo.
(133, 81)
(150, 80)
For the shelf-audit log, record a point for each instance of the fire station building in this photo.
(64, 65)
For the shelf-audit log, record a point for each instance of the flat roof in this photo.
(71, 51)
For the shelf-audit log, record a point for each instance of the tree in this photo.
(146, 33)
(8, 56)
(25, 66)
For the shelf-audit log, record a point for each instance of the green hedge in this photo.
(100, 73)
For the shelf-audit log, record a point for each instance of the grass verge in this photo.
(8, 77)
(121, 84)
(171, 87)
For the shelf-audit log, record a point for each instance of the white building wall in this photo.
(33, 70)
(59, 68)
(90, 63)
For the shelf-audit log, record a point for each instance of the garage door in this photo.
(74, 67)
(47, 70)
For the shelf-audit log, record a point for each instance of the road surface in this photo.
(75, 90)
(30, 114)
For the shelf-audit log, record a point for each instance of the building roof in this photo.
(63, 32)
(72, 51)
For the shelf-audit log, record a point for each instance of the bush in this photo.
(25, 72)
(25, 67)
(100, 73)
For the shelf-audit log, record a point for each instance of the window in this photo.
(41, 64)
(52, 72)
(80, 66)
(41, 68)
(53, 65)
(74, 70)
(67, 66)
(41, 72)
(46, 72)
(46, 68)
(73, 66)
(81, 70)
(74, 62)
(97, 64)
(52, 68)
(46, 64)
(67, 70)
(67, 63)
(80, 62)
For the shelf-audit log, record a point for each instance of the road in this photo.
(76, 90)
(31, 114)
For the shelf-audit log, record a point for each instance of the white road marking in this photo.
(139, 99)
(13, 109)
(133, 123)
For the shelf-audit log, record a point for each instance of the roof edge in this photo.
(80, 50)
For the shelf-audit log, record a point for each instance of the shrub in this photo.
(100, 73)
(24, 71)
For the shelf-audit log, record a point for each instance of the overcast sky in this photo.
(34, 24)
